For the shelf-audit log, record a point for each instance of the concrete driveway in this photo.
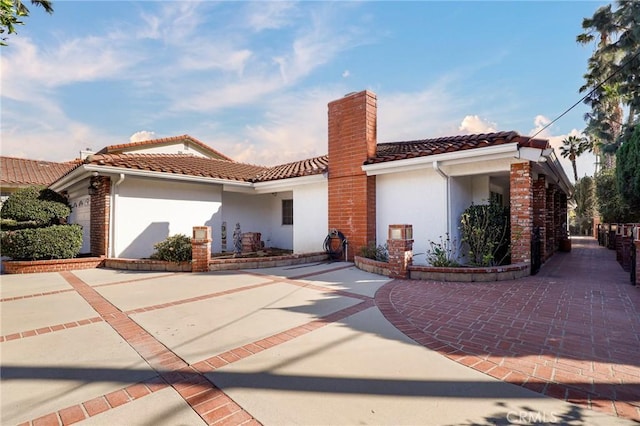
(282, 346)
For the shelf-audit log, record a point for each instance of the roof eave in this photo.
(457, 157)
(86, 170)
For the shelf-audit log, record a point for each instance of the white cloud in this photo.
(540, 121)
(294, 128)
(428, 113)
(269, 15)
(346, 74)
(142, 135)
(473, 124)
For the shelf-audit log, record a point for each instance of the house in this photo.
(16, 173)
(138, 194)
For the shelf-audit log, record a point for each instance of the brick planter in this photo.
(147, 265)
(373, 266)
(495, 273)
(55, 265)
(265, 262)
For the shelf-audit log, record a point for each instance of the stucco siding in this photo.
(310, 212)
(417, 198)
(146, 211)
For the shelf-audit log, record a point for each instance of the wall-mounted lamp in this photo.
(93, 187)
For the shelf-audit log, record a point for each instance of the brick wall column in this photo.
(539, 212)
(200, 248)
(400, 246)
(521, 196)
(100, 215)
(352, 194)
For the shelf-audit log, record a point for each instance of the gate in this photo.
(536, 250)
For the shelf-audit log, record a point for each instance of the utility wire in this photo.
(588, 94)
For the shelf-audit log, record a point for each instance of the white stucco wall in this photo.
(146, 211)
(310, 212)
(417, 198)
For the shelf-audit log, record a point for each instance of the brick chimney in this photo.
(352, 194)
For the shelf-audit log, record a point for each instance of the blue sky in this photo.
(253, 79)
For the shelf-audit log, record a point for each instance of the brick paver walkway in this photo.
(570, 332)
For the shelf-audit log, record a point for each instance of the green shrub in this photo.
(442, 253)
(176, 248)
(36, 203)
(486, 235)
(379, 253)
(52, 242)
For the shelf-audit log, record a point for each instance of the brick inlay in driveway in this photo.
(209, 402)
(571, 332)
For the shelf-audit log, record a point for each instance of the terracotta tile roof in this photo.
(23, 172)
(311, 166)
(182, 164)
(116, 149)
(190, 165)
(420, 148)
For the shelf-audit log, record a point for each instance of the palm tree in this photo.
(12, 11)
(612, 80)
(572, 147)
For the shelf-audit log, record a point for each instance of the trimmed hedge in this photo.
(53, 242)
(36, 203)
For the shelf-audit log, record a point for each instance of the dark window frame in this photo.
(287, 212)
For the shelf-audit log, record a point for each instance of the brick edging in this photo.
(52, 265)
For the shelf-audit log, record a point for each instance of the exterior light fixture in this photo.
(93, 187)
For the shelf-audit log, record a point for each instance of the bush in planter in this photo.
(442, 254)
(379, 253)
(37, 205)
(52, 242)
(176, 248)
(486, 234)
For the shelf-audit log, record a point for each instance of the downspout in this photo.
(436, 167)
(114, 199)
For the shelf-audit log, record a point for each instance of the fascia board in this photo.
(458, 157)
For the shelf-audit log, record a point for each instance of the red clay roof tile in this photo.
(420, 148)
(311, 166)
(21, 172)
(182, 164)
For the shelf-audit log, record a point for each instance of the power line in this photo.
(588, 94)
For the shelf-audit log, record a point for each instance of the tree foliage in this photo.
(628, 171)
(584, 197)
(13, 11)
(612, 81)
(611, 205)
(572, 147)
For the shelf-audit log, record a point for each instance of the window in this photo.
(496, 197)
(287, 212)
